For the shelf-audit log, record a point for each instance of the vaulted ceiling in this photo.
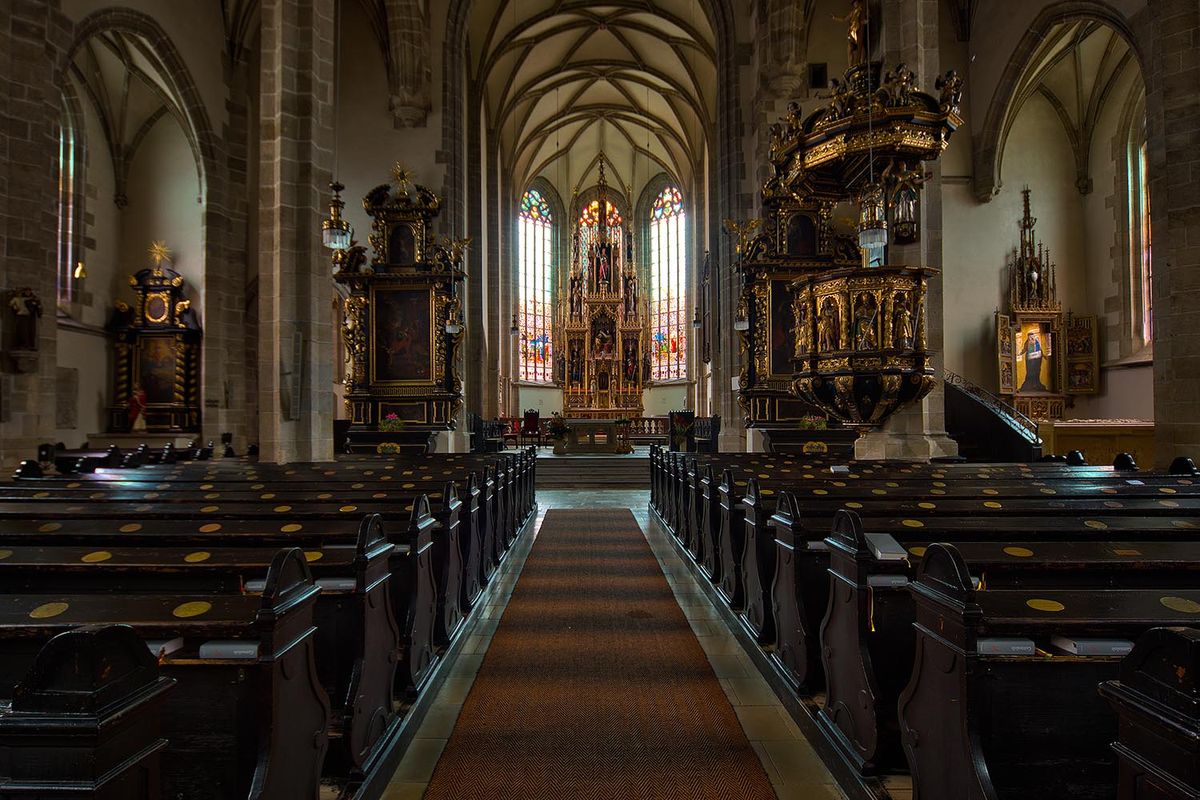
(562, 80)
(123, 79)
(1077, 68)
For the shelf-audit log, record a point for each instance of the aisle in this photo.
(595, 685)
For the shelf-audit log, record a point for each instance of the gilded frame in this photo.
(378, 294)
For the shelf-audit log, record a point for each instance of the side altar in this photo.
(402, 327)
(603, 326)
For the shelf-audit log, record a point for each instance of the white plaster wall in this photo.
(658, 400)
(163, 205)
(546, 400)
(89, 354)
(979, 237)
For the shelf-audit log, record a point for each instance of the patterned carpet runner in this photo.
(594, 685)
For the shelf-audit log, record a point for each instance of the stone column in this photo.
(910, 36)
(295, 288)
(33, 37)
(1166, 31)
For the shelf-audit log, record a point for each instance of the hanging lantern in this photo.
(336, 232)
(872, 226)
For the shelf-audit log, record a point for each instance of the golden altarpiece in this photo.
(857, 346)
(1044, 355)
(602, 329)
(402, 327)
(156, 353)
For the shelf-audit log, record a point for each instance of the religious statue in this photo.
(803, 326)
(827, 326)
(137, 408)
(26, 308)
(905, 200)
(865, 312)
(576, 295)
(902, 332)
(898, 86)
(630, 294)
(951, 87)
(1032, 351)
(858, 21)
(575, 370)
(631, 364)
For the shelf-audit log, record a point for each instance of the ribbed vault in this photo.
(562, 80)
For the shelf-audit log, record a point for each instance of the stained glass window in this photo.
(1141, 299)
(535, 231)
(668, 291)
(68, 215)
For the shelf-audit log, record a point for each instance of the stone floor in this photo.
(793, 766)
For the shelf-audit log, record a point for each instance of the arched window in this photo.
(536, 264)
(69, 209)
(1141, 297)
(668, 320)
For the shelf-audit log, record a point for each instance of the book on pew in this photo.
(229, 648)
(164, 647)
(887, 581)
(1004, 646)
(1092, 647)
(885, 548)
(258, 585)
(840, 469)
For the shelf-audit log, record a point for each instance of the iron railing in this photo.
(1020, 423)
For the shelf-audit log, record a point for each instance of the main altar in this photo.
(603, 325)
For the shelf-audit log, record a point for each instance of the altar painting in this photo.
(156, 368)
(402, 336)
(1034, 354)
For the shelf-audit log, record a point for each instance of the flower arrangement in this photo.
(388, 449)
(557, 427)
(391, 423)
(813, 424)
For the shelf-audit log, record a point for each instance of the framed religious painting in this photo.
(782, 329)
(1083, 368)
(156, 372)
(402, 335)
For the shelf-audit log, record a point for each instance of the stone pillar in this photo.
(910, 35)
(33, 38)
(1166, 31)
(295, 288)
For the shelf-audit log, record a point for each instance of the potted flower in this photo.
(388, 449)
(557, 428)
(391, 423)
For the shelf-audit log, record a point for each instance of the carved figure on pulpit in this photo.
(858, 48)
(902, 332)
(866, 310)
(828, 323)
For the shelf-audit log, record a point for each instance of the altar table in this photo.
(594, 436)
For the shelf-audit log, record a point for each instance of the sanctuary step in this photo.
(593, 472)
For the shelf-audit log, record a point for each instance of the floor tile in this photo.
(419, 761)
(766, 723)
(404, 791)
(439, 721)
(753, 691)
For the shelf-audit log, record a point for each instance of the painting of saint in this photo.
(156, 368)
(402, 246)
(1034, 351)
(403, 346)
(783, 329)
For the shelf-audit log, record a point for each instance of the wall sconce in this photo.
(515, 329)
(80, 271)
(697, 322)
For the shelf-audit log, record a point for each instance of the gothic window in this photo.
(536, 264)
(668, 320)
(69, 211)
(1141, 297)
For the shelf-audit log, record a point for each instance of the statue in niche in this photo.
(803, 327)
(902, 331)
(905, 201)
(576, 295)
(26, 310)
(575, 369)
(631, 365)
(866, 310)
(631, 288)
(827, 325)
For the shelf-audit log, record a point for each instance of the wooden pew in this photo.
(866, 634)
(237, 727)
(975, 725)
(1156, 697)
(85, 720)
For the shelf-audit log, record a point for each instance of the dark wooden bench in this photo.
(977, 725)
(85, 720)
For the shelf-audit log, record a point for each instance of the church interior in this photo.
(660, 398)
